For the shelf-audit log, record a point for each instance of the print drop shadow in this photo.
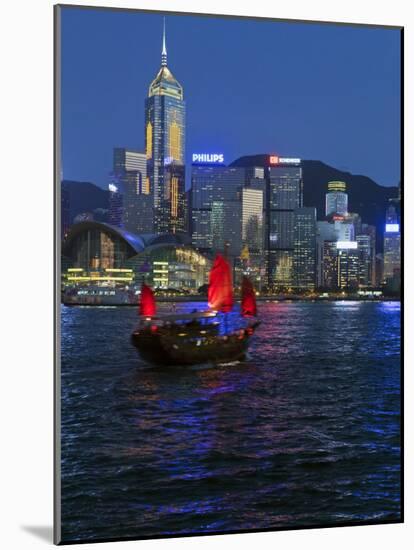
(44, 532)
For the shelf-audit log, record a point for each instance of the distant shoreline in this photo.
(270, 298)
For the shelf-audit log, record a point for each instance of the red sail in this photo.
(248, 304)
(147, 301)
(220, 288)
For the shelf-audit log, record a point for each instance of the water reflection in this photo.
(305, 431)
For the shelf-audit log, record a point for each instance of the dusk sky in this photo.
(324, 92)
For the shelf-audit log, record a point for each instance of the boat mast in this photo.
(226, 257)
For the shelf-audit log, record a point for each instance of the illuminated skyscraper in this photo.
(116, 202)
(304, 248)
(392, 244)
(252, 221)
(217, 225)
(131, 161)
(165, 149)
(130, 170)
(329, 268)
(365, 260)
(216, 207)
(280, 179)
(284, 195)
(348, 266)
(336, 198)
(370, 230)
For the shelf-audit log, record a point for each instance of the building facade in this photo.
(116, 202)
(216, 208)
(280, 179)
(336, 198)
(392, 244)
(283, 197)
(371, 231)
(365, 261)
(98, 254)
(252, 221)
(347, 265)
(130, 171)
(165, 149)
(304, 248)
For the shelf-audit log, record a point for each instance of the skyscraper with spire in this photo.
(165, 149)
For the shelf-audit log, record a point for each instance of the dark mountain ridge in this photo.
(85, 196)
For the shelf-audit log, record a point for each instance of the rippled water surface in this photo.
(304, 432)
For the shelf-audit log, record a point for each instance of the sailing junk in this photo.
(147, 307)
(220, 287)
(248, 304)
(201, 336)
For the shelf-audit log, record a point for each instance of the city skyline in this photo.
(228, 337)
(258, 208)
(88, 138)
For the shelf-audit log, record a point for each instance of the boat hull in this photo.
(162, 349)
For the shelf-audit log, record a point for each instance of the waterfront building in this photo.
(343, 259)
(100, 254)
(217, 223)
(130, 168)
(227, 215)
(201, 228)
(116, 203)
(304, 248)
(370, 230)
(283, 198)
(365, 261)
(326, 237)
(379, 269)
(330, 266)
(347, 265)
(336, 198)
(216, 208)
(280, 179)
(128, 160)
(252, 220)
(177, 268)
(251, 258)
(165, 149)
(392, 244)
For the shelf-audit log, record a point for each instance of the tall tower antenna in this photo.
(164, 48)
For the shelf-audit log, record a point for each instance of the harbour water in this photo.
(305, 432)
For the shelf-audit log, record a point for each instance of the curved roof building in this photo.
(96, 252)
(101, 237)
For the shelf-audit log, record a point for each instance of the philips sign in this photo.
(208, 158)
